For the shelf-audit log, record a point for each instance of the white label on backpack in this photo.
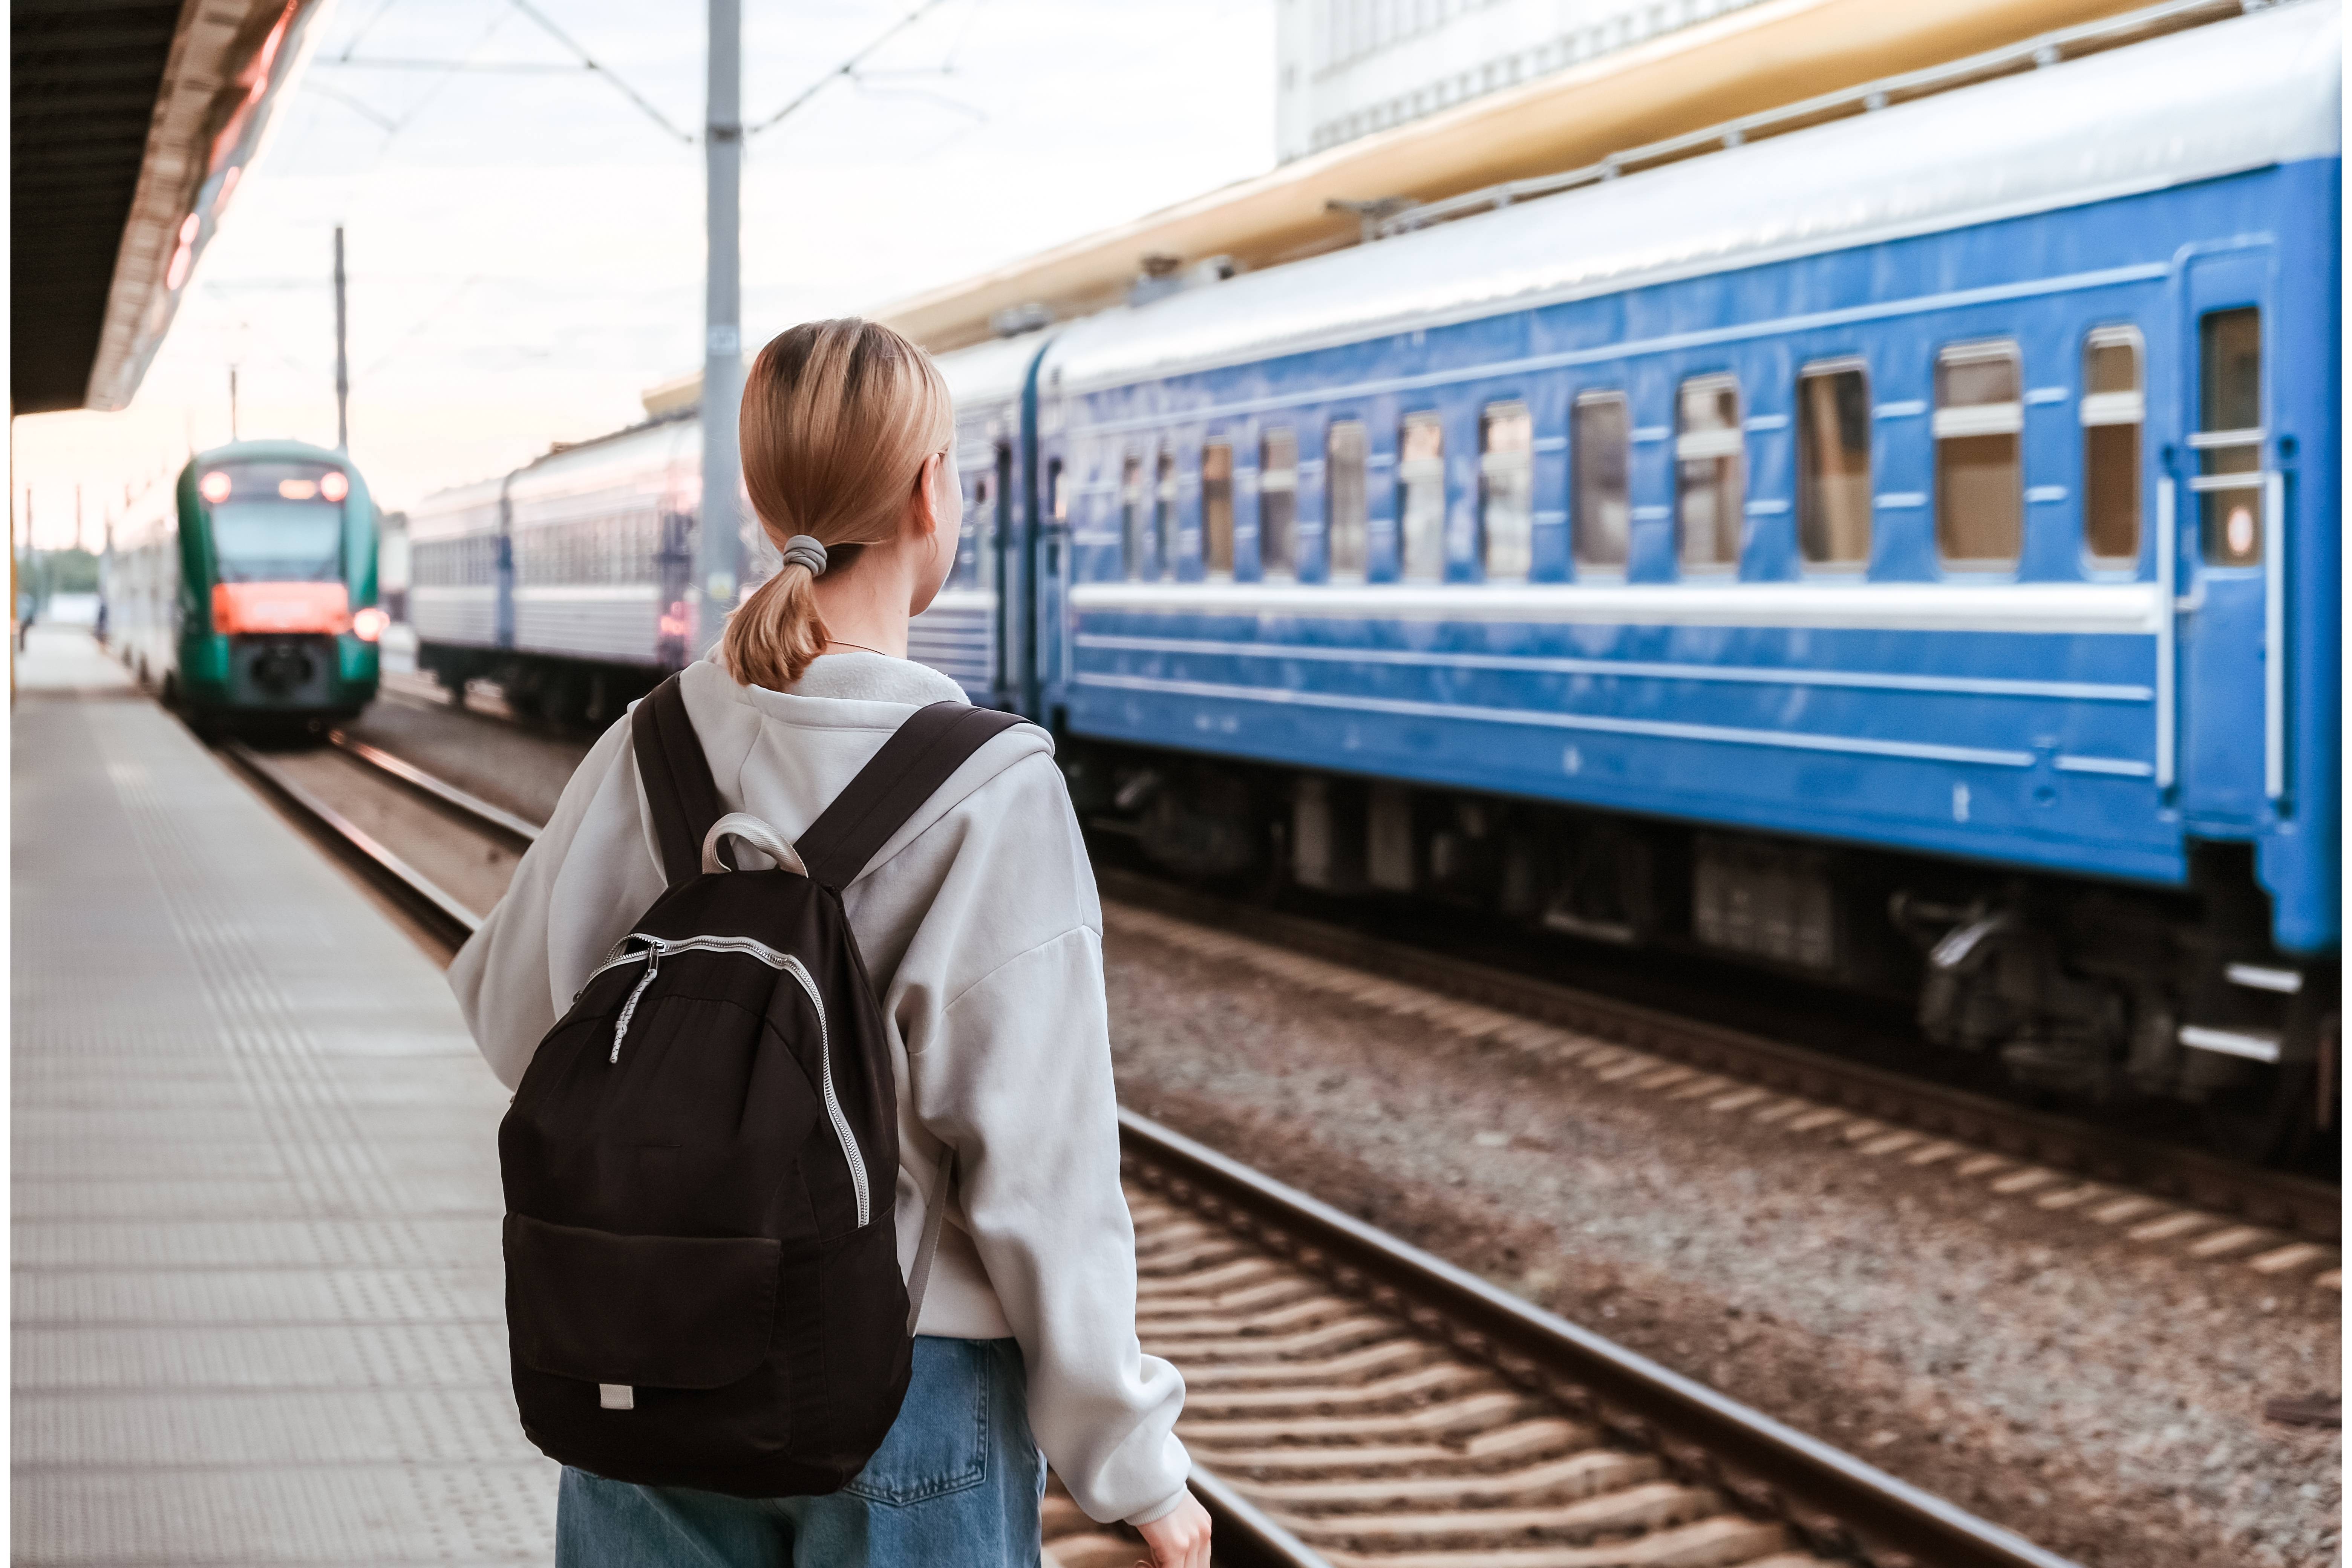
(616, 1396)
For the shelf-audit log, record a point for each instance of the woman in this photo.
(979, 927)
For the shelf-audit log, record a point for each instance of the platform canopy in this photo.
(132, 122)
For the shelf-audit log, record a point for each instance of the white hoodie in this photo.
(982, 931)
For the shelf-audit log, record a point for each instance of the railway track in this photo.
(1357, 1402)
(2274, 1201)
(2282, 1228)
(2100, 1161)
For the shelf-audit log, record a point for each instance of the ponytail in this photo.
(838, 419)
(773, 638)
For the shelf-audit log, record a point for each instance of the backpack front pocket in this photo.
(651, 1311)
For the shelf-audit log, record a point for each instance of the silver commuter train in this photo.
(565, 580)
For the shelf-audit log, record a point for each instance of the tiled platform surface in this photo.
(257, 1287)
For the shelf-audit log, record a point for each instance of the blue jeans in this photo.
(958, 1481)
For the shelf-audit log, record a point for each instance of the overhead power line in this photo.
(589, 62)
(847, 68)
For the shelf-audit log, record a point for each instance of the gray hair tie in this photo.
(805, 549)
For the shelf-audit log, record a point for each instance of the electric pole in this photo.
(343, 362)
(717, 543)
(232, 403)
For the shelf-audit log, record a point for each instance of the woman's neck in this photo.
(865, 607)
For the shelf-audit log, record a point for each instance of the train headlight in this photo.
(214, 486)
(368, 625)
(334, 484)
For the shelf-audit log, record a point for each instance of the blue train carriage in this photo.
(565, 581)
(977, 630)
(245, 591)
(1903, 550)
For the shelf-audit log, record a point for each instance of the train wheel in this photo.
(2283, 1120)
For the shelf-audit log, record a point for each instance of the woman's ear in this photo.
(923, 507)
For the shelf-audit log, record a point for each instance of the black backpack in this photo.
(702, 1162)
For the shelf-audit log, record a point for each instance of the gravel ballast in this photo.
(2100, 1397)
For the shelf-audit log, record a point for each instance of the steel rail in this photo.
(2308, 1209)
(1241, 1536)
(438, 791)
(443, 916)
(1839, 1502)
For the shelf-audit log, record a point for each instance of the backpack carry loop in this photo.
(906, 771)
(911, 765)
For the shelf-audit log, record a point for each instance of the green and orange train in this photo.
(246, 589)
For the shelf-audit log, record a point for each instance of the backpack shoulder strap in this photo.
(908, 771)
(676, 775)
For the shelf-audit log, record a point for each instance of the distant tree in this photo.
(70, 571)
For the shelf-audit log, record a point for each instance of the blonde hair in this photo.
(838, 419)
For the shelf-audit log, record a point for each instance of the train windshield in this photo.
(277, 522)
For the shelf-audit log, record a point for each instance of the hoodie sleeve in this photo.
(1011, 1066)
(574, 893)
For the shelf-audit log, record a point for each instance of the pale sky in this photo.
(525, 250)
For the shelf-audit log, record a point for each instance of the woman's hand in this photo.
(1178, 1538)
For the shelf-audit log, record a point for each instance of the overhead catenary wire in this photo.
(590, 62)
(847, 68)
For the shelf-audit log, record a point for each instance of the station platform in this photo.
(258, 1300)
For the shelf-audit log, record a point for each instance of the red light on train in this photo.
(368, 625)
(297, 489)
(334, 484)
(214, 486)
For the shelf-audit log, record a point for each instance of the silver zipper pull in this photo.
(620, 1024)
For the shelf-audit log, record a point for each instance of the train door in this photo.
(2230, 536)
(1049, 589)
(1005, 609)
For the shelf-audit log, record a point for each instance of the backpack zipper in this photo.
(655, 948)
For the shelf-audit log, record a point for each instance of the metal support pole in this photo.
(718, 565)
(342, 360)
(232, 398)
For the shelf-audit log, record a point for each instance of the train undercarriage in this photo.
(568, 692)
(2083, 993)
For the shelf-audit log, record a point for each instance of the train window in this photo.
(1421, 498)
(1833, 497)
(1980, 467)
(1710, 472)
(1277, 504)
(2229, 439)
(1217, 509)
(2113, 408)
(1131, 516)
(1163, 518)
(1599, 430)
(1507, 492)
(1347, 500)
(971, 548)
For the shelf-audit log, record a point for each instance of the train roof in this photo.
(652, 446)
(2242, 94)
(269, 451)
(990, 372)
